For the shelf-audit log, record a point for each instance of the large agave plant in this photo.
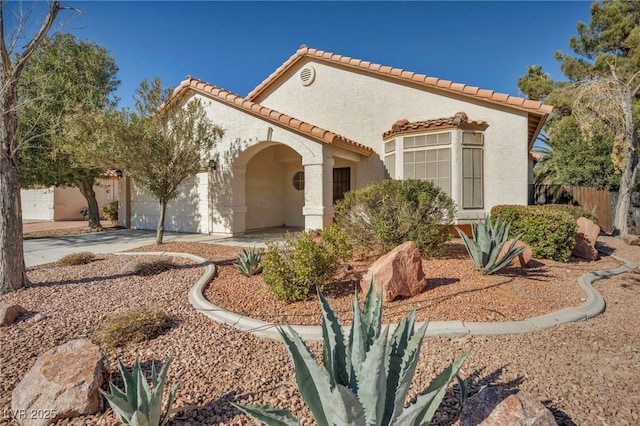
(365, 381)
(138, 404)
(488, 239)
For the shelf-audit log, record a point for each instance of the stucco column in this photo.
(318, 192)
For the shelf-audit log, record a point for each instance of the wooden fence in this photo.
(600, 202)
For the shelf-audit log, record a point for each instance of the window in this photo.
(390, 158)
(298, 181)
(426, 158)
(472, 171)
(341, 182)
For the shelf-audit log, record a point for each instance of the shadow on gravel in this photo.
(103, 278)
(560, 416)
(449, 411)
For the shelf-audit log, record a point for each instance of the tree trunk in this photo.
(628, 178)
(12, 268)
(160, 230)
(86, 189)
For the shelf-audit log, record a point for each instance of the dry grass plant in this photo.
(75, 259)
(132, 326)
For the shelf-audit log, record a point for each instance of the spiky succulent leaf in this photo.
(421, 412)
(248, 262)
(348, 410)
(356, 349)
(334, 352)
(409, 363)
(372, 378)
(121, 407)
(313, 382)
(139, 419)
(371, 316)
(271, 416)
(172, 397)
(143, 390)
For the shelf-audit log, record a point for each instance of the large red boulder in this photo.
(586, 239)
(498, 406)
(397, 273)
(64, 382)
(520, 260)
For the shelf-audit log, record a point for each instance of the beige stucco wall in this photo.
(188, 212)
(362, 108)
(64, 203)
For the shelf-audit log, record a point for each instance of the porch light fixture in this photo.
(119, 173)
(213, 165)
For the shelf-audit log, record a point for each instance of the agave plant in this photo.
(364, 381)
(488, 239)
(248, 262)
(138, 404)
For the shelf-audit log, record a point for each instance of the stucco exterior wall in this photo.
(188, 212)
(362, 108)
(64, 203)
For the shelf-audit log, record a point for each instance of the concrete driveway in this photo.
(46, 250)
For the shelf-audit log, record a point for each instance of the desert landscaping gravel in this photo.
(587, 373)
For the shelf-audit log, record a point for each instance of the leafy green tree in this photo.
(602, 98)
(161, 144)
(64, 77)
(14, 33)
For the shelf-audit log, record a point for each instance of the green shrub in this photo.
(551, 233)
(248, 262)
(385, 214)
(301, 264)
(574, 211)
(133, 326)
(485, 247)
(139, 404)
(110, 212)
(365, 377)
(75, 259)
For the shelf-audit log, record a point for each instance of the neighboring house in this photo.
(323, 124)
(65, 203)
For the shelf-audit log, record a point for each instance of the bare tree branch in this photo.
(37, 39)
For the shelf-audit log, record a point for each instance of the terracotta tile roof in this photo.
(276, 117)
(538, 112)
(460, 119)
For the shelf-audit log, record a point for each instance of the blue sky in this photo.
(236, 45)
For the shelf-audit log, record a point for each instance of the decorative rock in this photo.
(498, 406)
(632, 240)
(521, 260)
(63, 383)
(398, 273)
(586, 239)
(9, 313)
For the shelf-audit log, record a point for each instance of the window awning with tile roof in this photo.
(537, 112)
(291, 123)
(459, 120)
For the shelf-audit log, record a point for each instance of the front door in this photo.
(341, 182)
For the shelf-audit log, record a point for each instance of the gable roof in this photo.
(537, 111)
(459, 119)
(283, 120)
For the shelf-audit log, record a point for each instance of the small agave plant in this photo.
(138, 404)
(248, 262)
(488, 239)
(365, 381)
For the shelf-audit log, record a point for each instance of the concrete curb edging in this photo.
(591, 307)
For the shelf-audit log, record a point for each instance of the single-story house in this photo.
(323, 124)
(66, 203)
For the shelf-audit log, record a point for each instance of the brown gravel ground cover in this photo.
(586, 373)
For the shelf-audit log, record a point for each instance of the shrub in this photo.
(152, 267)
(551, 233)
(133, 326)
(364, 381)
(248, 262)
(110, 212)
(487, 243)
(139, 404)
(574, 211)
(383, 215)
(74, 259)
(301, 264)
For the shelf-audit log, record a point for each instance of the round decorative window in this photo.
(298, 181)
(307, 75)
